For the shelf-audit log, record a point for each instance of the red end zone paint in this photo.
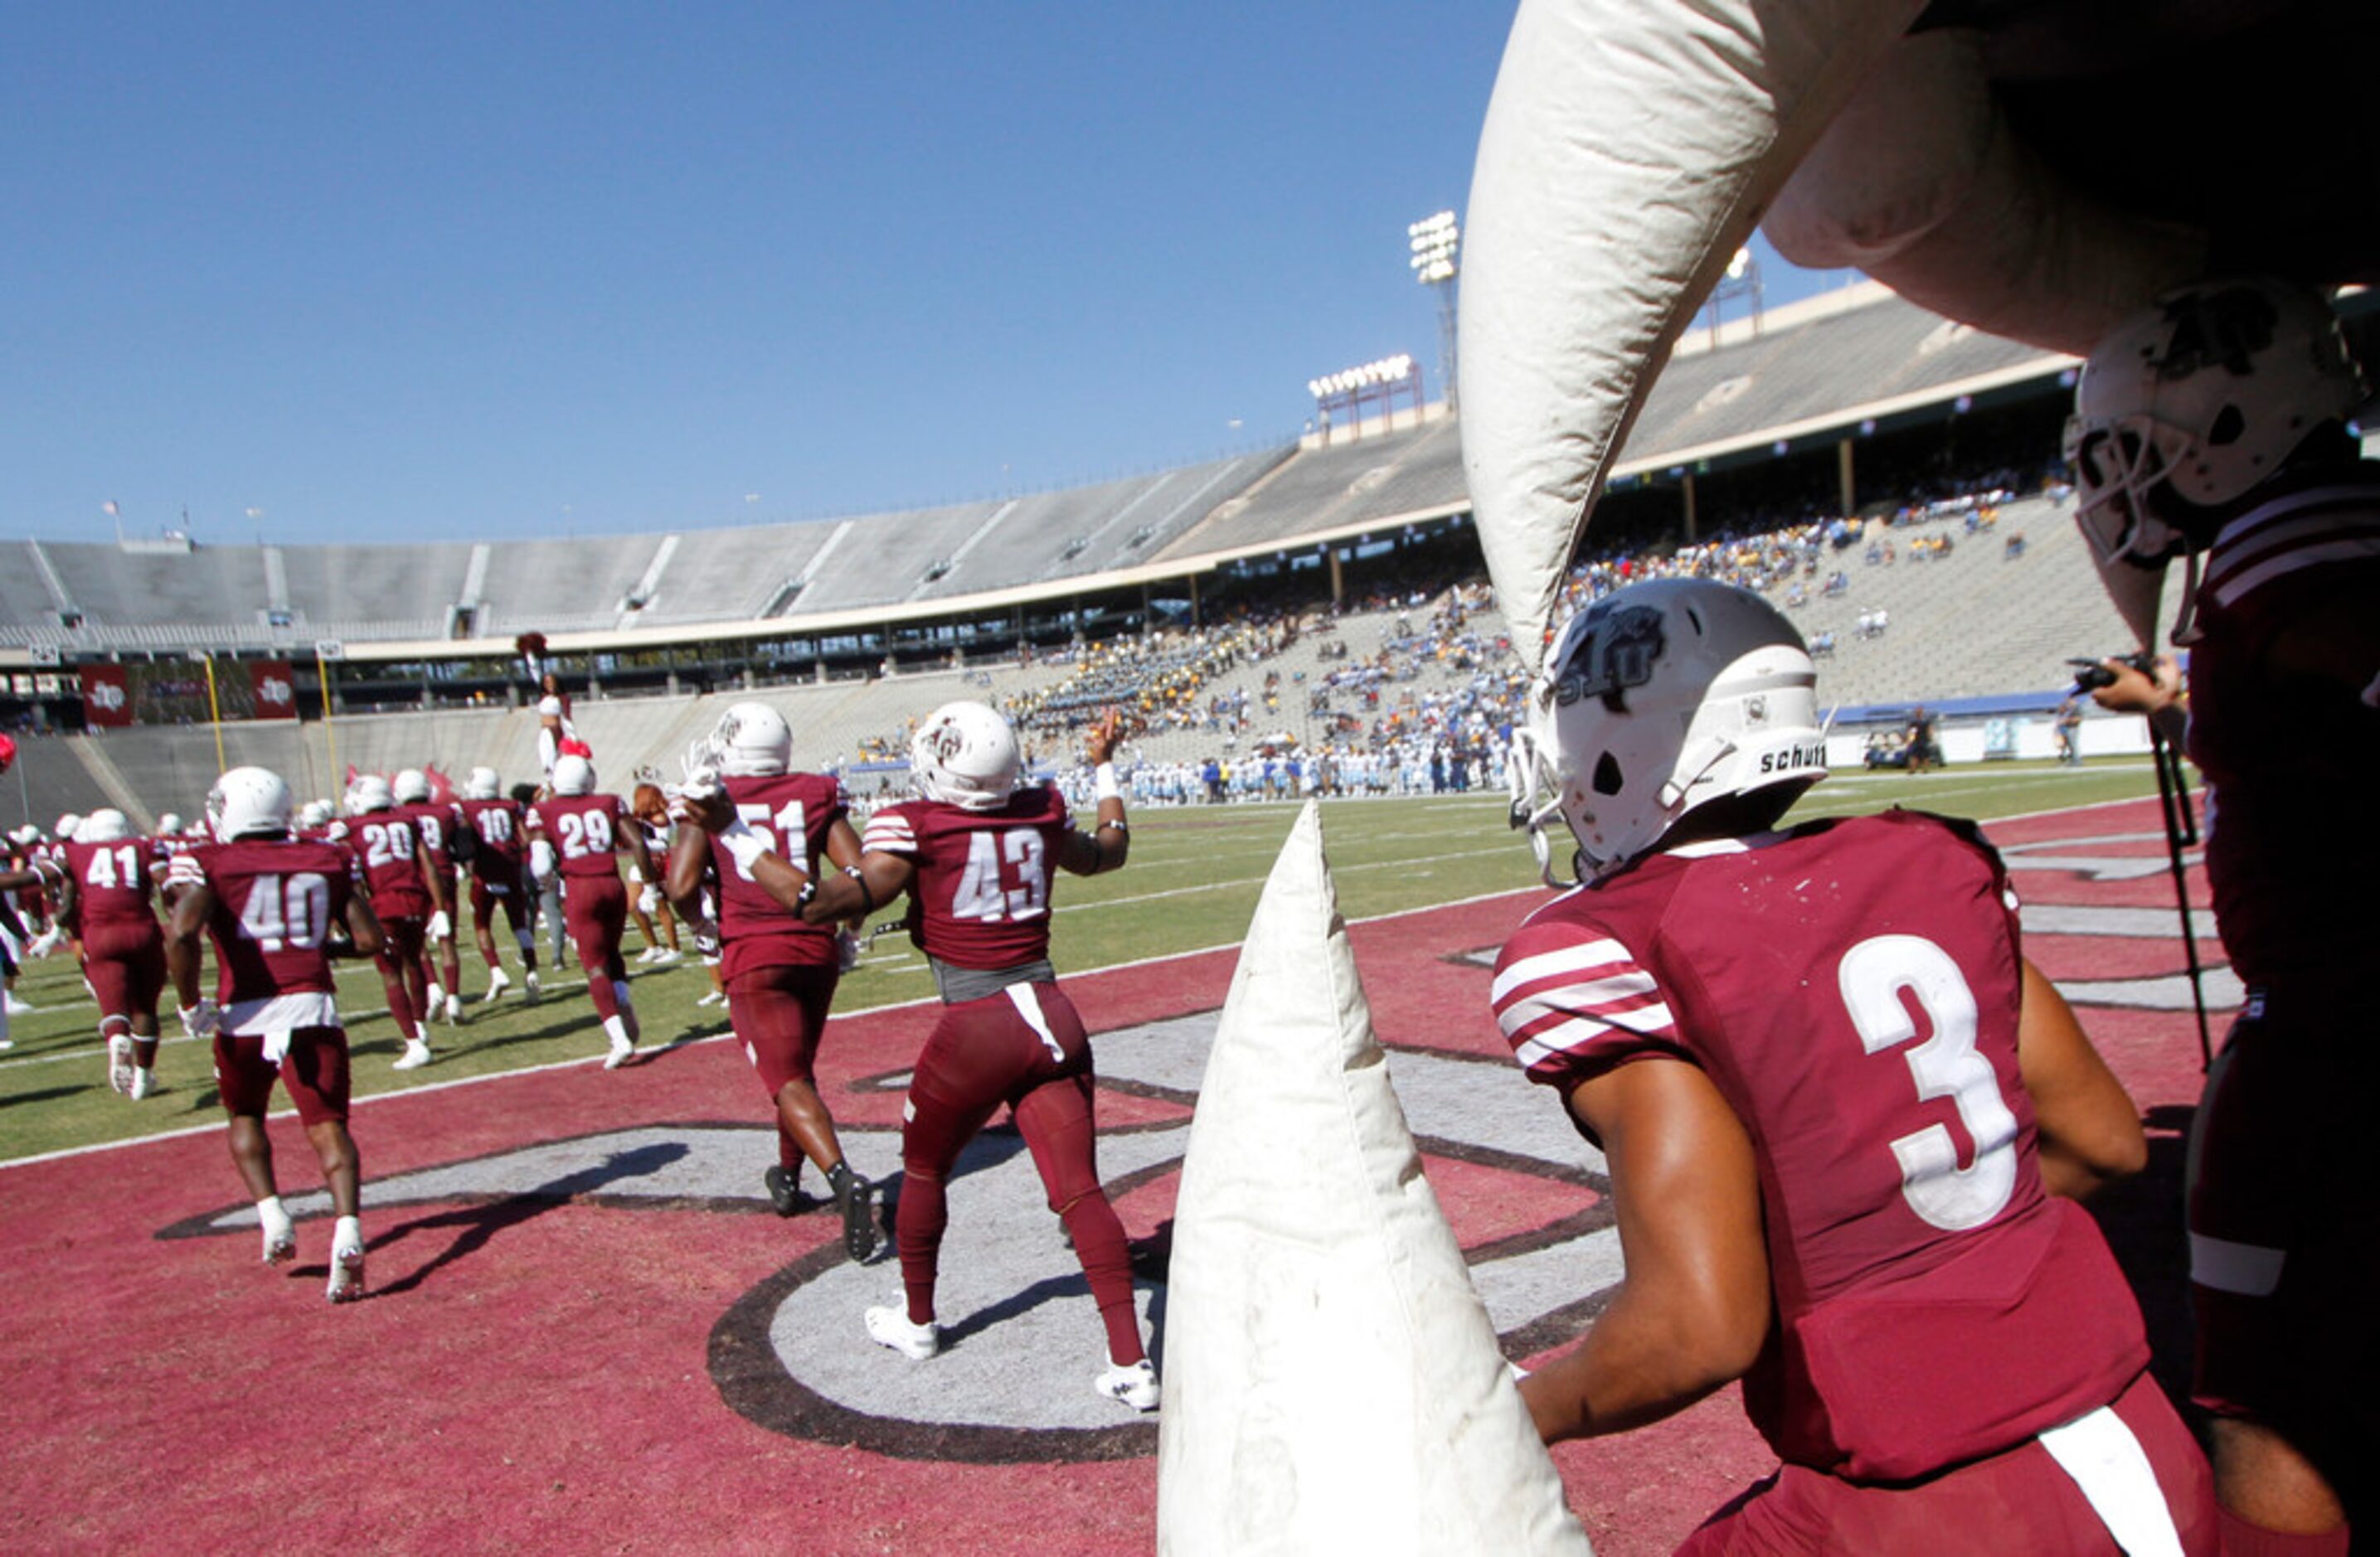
(532, 1372)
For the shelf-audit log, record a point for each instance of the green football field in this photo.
(1192, 884)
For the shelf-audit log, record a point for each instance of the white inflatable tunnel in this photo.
(1332, 1383)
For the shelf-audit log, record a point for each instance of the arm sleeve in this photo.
(1574, 1002)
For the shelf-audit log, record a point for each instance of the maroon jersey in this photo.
(795, 812)
(1852, 989)
(2289, 757)
(275, 901)
(437, 826)
(584, 831)
(982, 887)
(384, 844)
(502, 850)
(113, 882)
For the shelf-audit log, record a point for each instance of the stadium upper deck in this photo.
(1813, 373)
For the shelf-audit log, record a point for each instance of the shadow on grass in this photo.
(479, 1223)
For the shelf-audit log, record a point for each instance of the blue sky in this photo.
(478, 270)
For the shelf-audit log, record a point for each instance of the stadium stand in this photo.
(1383, 481)
(1180, 578)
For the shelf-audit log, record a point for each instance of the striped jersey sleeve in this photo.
(1574, 1002)
(889, 832)
(2273, 544)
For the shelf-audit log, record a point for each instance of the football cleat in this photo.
(529, 985)
(437, 999)
(716, 998)
(454, 1009)
(855, 1198)
(144, 1082)
(668, 956)
(416, 1056)
(347, 1282)
(119, 1062)
(280, 1236)
(622, 1049)
(891, 1327)
(498, 981)
(784, 1191)
(1135, 1386)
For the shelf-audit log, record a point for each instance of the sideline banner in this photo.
(272, 689)
(107, 696)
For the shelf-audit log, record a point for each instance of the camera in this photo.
(2089, 675)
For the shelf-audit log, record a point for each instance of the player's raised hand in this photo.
(712, 813)
(1105, 736)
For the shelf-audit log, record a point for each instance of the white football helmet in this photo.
(249, 802)
(370, 793)
(412, 788)
(1655, 701)
(106, 824)
(314, 813)
(65, 832)
(2206, 393)
(965, 755)
(753, 741)
(573, 775)
(483, 784)
(169, 824)
(26, 835)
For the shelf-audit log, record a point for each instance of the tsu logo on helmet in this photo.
(1619, 651)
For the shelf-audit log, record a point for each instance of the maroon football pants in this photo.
(1025, 1048)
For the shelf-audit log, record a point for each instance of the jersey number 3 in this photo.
(1873, 974)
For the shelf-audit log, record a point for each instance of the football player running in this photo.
(500, 875)
(2212, 427)
(445, 842)
(780, 970)
(973, 853)
(587, 829)
(1843, 1119)
(407, 892)
(108, 894)
(268, 903)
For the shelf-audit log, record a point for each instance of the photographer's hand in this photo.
(2135, 691)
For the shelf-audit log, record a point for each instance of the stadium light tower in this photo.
(1434, 241)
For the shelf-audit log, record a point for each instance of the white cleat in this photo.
(650, 954)
(714, 999)
(437, 999)
(280, 1238)
(528, 982)
(498, 981)
(119, 1062)
(18, 1008)
(669, 957)
(454, 1009)
(416, 1056)
(623, 1050)
(144, 1082)
(347, 1274)
(891, 1327)
(1135, 1386)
